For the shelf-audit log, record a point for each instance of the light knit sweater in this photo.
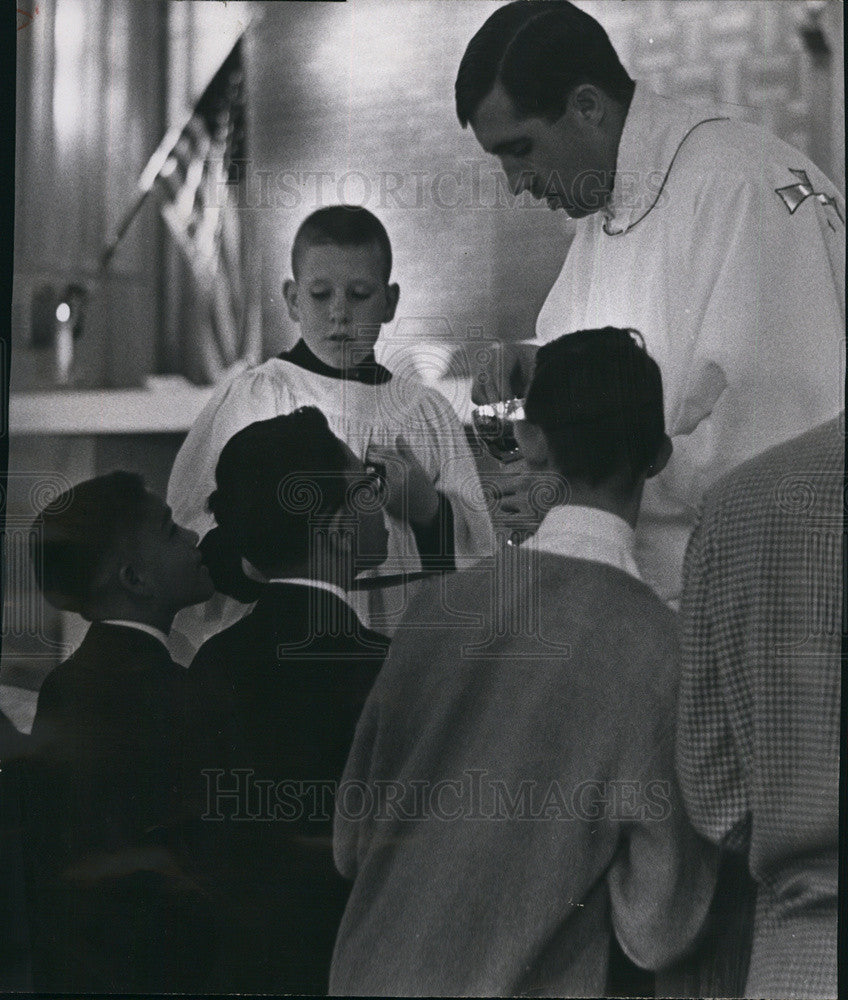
(540, 692)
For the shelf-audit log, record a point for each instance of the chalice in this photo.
(494, 425)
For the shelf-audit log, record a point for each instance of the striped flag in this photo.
(196, 174)
(197, 184)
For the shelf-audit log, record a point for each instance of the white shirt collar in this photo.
(319, 585)
(587, 533)
(141, 626)
(654, 130)
(300, 581)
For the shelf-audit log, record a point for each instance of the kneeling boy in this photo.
(114, 910)
(279, 693)
(510, 801)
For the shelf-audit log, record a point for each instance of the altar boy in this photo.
(340, 295)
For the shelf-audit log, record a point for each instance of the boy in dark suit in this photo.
(277, 695)
(113, 908)
(14, 927)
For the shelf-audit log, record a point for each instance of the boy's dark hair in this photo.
(344, 226)
(538, 51)
(272, 480)
(72, 537)
(597, 396)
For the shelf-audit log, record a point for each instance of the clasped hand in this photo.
(410, 493)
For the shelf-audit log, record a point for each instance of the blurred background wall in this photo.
(90, 109)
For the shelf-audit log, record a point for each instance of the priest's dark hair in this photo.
(274, 480)
(73, 536)
(538, 52)
(344, 226)
(597, 396)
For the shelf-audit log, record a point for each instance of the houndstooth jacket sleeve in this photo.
(708, 758)
(758, 723)
(759, 714)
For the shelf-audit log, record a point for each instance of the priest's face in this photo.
(564, 163)
(340, 298)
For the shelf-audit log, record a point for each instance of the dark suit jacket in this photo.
(276, 699)
(14, 927)
(114, 907)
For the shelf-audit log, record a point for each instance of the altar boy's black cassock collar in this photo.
(369, 371)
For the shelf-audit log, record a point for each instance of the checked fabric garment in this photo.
(758, 738)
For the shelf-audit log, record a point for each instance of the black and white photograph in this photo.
(422, 537)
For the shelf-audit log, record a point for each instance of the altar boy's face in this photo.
(340, 298)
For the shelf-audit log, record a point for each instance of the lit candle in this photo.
(64, 343)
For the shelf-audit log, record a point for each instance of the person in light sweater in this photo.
(510, 802)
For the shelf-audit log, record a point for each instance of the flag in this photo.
(198, 189)
(196, 174)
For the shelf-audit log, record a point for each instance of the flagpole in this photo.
(144, 187)
(151, 172)
(154, 166)
(109, 252)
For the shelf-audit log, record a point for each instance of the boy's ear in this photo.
(533, 444)
(134, 582)
(392, 296)
(663, 455)
(290, 295)
(588, 104)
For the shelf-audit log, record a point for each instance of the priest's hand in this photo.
(502, 371)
